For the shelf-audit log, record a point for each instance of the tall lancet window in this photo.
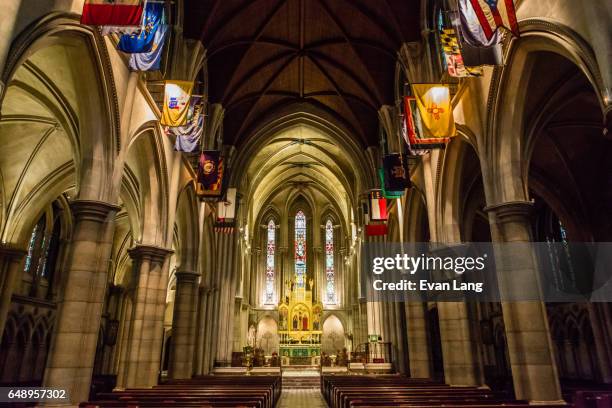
(300, 249)
(271, 250)
(330, 296)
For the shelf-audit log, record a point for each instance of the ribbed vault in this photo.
(301, 159)
(270, 55)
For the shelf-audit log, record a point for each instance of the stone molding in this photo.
(186, 276)
(91, 210)
(151, 252)
(512, 210)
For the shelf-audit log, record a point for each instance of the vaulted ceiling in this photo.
(334, 58)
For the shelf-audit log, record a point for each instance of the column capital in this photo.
(92, 210)
(511, 210)
(186, 276)
(152, 252)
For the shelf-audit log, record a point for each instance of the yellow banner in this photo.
(436, 111)
(176, 103)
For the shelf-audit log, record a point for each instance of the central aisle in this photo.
(301, 388)
(301, 398)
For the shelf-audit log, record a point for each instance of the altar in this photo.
(300, 328)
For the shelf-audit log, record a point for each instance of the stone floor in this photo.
(301, 398)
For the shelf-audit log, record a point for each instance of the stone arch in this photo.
(508, 143)
(70, 113)
(147, 179)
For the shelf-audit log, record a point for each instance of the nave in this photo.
(188, 223)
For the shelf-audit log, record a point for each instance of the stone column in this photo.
(73, 349)
(209, 344)
(201, 326)
(419, 352)
(146, 330)
(183, 329)
(227, 256)
(10, 267)
(530, 348)
(461, 361)
(399, 349)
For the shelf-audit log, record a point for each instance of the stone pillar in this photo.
(461, 361)
(530, 348)
(201, 326)
(11, 260)
(226, 255)
(73, 349)
(419, 352)
(183, 329)
(399, 337)
(146, 329)
(209, 343)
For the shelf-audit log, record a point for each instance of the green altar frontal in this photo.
(300, 350)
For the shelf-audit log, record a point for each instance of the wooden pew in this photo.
(351, 391)
(209, 391)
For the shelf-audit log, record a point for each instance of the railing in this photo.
(373, 352)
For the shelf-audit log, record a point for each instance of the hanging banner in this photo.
(150, 61)
(397, 176)
(470, 27)
(493, 14)
(176, 103)
(374, 230)
(383, 184)
(378, 206)
(436, 112)
(454, 58)
(142, 41)
(112, 12)
(418, 144)
(210, 173)
(188, 136)
(226, 209)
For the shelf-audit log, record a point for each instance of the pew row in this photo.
(205, 391)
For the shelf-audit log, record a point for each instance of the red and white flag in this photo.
(493, 14)
(378, 207)
(112, 12)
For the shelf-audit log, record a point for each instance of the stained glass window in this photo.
(271, 249)
(329, 263)
(300, 249)
(35, 246)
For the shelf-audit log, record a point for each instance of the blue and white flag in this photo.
(150, 61)
(142, 41)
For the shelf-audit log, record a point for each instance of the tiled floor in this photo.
(301, 398)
